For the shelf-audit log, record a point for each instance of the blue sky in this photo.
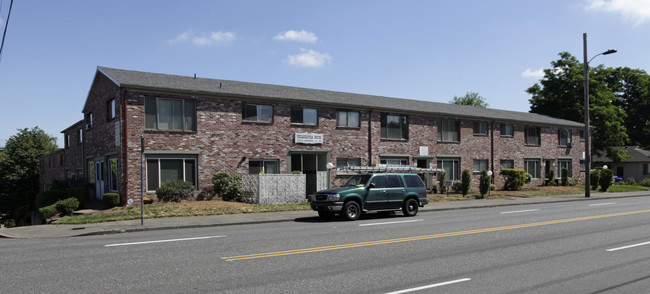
(426, 50)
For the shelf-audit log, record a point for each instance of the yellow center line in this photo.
(426, 237)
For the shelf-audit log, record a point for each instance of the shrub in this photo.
(457, 186)
(594, 178)
(630, 181)
(67, 206)
(205, 194)
(49, 197)
(606, 179)
(565, 176)
(175, 190)
(47, 211)
(227, 186)
(80, 193)
(441, 181)
(111, 200)
(466, 182)
(551, 178)
(513, 179)
(645, 182)
(484, 183)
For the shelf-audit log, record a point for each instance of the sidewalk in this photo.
(59, 231)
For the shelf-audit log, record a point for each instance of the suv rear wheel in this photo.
(351, 210)
(410, 207)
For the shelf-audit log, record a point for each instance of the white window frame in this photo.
(455, 167)
(479, 163)
(507, 130)
(276, 162)
(343, 119)
(501, 164)
(538, 136)
(112, 177)
(536, 165)
(186, 124)
(562, 163)
(183, 159)
(259, 113)
(481, 127)
(305, 112)
(446, 135)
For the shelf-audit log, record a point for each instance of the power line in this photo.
(5, 32)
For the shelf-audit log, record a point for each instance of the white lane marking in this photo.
(430, 286)
(519, 211)
(162, 241)
(389, 223)
(629, 246)
(599, 204)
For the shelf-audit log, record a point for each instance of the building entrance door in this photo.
(314, 166)
(99, 180)
(427, 178)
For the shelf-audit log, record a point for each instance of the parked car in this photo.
(372, 192)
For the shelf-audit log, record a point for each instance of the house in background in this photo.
(637, 166)
(66, 163)
(194, 127)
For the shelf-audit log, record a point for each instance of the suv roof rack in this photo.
(382, 168)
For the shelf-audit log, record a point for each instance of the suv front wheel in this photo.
(410, 207)
(351, 210)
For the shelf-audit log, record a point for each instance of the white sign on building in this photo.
(308, 138)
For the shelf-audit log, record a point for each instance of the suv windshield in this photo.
(359, 180)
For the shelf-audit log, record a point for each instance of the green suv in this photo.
(378, 192)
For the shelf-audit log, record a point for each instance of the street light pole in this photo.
(587, 131)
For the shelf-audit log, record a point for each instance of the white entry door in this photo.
(99, 180)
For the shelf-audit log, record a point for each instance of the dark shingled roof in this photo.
(635, 152)
(285, 94)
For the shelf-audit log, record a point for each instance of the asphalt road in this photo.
(575, 247)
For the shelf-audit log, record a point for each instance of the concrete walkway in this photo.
(59, 231)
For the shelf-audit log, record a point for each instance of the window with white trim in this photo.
(396, 161)
(451, 166)
(394, 127)
(532, 167)
(480, 164)
(257, 113)
(268, 166)
(349, 119)
(345, 162)
(507, 163)
(564, 137)
(110, 109)
(533, 136)
(449, 130)
(307, 116)
(565, 163)
(164, 169)
(507, 130)
(480, 128)
(112, 175)
(169, 114)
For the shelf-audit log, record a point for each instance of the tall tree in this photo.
(471, 99)
(19, 170)
(632, 89)
(560, 94)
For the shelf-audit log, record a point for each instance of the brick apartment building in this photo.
(194, 127)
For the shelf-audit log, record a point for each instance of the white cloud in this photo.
(215, 38)
(529, 73)
(309, 58)
(297, 36)
(637, 11)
